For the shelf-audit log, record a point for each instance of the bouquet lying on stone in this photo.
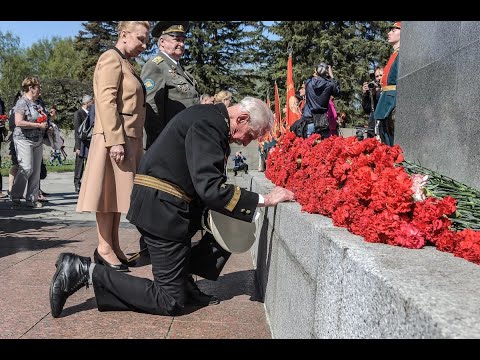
(365, 187)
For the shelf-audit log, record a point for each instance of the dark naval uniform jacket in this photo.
(191, 153)
(388, 97)
(170, 89)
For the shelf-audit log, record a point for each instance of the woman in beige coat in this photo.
(117, 145)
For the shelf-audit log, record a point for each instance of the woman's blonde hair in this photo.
(222, 95)
(30, 81)
(124, 25)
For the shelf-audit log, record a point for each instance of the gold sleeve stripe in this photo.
(234, 200)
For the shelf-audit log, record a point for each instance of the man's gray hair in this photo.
(261, 117)
(86, 99)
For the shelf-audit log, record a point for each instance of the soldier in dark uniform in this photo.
(171, 190)
(385, 111)
(170, 88)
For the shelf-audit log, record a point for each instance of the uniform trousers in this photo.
(171, 263)
(387, 129)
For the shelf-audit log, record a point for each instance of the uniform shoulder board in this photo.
(157, 60)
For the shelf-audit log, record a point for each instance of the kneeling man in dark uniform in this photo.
(171, 190)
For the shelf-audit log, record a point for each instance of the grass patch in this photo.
(68, 165)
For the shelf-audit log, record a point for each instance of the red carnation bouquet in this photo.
(3, 119)
(364, 186)
(42, 119)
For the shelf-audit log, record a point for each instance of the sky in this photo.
(30, 32)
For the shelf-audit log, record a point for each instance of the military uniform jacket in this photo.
(387, 101)
(170, 89)
(191, 152)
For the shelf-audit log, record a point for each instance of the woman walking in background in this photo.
(117, 142)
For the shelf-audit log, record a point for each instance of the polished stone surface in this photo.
(30, 241)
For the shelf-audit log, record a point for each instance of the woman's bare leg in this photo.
(105, 229)
(115, 238)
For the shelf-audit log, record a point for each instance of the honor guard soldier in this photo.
(170, 88)
(385, 111)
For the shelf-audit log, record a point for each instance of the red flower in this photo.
(361, 187)
(42, 119)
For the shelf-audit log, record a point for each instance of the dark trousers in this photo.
(1, 185)
(242, 166)
(79, 167)
(171, 262)
(387, 129)
(371, 126)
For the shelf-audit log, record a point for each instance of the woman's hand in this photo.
(42, 125)
(117, 153)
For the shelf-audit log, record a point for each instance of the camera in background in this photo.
(372, 84)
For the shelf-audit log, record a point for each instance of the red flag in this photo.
(293, 114)
(277, 128)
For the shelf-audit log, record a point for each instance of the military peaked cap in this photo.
(396, 25)
(170, 27)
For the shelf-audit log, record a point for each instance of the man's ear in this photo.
(243, 117)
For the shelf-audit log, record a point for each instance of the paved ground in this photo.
(30, 241)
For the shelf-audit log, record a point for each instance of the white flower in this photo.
(418, 186)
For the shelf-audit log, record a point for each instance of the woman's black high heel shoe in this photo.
(130, 263)
(101, 261)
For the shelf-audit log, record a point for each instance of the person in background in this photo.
(223, 96)
(301, 97)
(13, 154)
(176, 186)
(30, 127)
(318, 90)
(385, 111)
(85, 146)
(78, 117)
(3, 135)
(371, 92)
(55, 155)
(239, 163)
(206, 99)
(342, 120)
(52, 115)
(170, 88)
(117, 141)
(332, 117)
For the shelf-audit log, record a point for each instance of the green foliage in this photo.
(14, 67)
(97, 37)
(66, 95)
(64, 61)
(56, 63)
(223, 55)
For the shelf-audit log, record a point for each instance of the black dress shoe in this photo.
(100, 260)
(71, 275)
(194, 296)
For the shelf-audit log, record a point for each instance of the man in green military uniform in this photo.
(385, 111)
(170, 88)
